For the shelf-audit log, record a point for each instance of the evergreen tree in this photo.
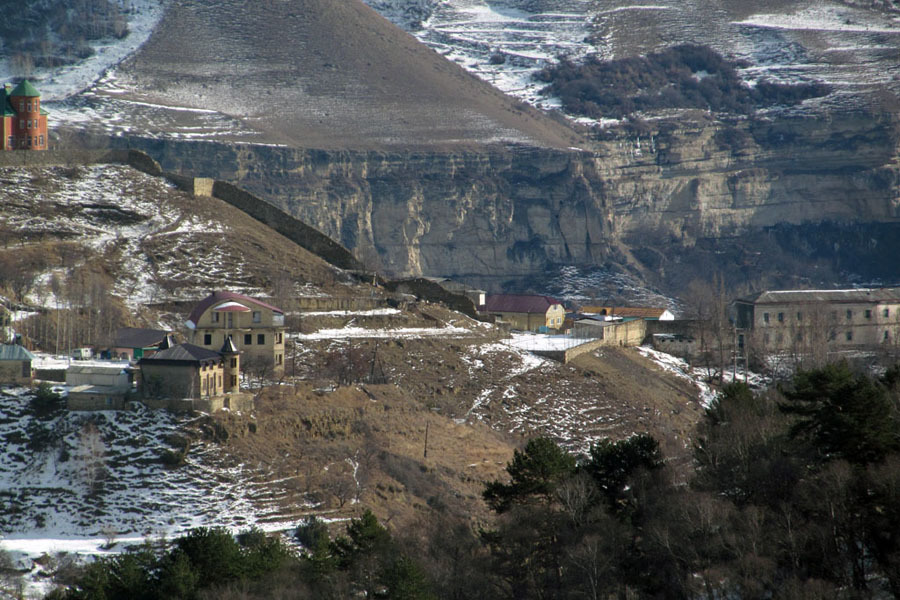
(844, 415)
(535, 472)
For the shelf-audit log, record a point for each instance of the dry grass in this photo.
(378, 431)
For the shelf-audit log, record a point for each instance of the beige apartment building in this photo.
(256, 328)
(810, 320)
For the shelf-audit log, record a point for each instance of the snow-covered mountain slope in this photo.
(93, 475)
(852, 46)
(155, 242)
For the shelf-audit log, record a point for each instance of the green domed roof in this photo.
(25, 89)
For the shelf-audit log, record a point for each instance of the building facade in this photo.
(526, 312)
(189, 371)
(15, 365)
(23, 123)
(256, 328)
(808, 320)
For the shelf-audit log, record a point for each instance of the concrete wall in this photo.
(625, 333)
(565, 356)
(63, 158)
(96, 401)
(235, 402)
(11, 372)
(328, 303)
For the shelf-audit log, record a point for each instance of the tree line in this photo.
(794, 493)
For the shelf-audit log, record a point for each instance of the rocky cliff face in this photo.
(680, 195)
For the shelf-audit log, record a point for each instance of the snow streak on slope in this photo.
(480, 34)
(161, 249)
(850, 47)
(77, 475)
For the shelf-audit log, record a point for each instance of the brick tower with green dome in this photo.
(23, 123)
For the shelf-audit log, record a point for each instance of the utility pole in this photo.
(425, 454)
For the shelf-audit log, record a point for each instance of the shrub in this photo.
(686, 76)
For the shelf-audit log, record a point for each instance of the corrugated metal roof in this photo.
(136, 337)
(184, 353)
(519, 303)
(14, 352)
(800, 296)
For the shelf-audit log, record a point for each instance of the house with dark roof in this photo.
(134, 343)
(525, 312)
(15, 365)
(255, 327)
(189, 371)
(23, 123)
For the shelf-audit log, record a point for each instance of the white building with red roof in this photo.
(255, 327)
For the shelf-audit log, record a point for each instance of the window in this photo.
(765, 317)
(36, 108)
(21, 123)
(207, 339)
(41, 137)
(29, 123)
(28, 107)
(868, 314)
(108, 401)
(799, 337)
(279, 338)
(21, 106)
(849, 336)
(233, 363)
(849, 314)
(220, 381)
(781, 317)
(832, 335)
(257, 316)
(11, 142)
(886, 313)
(261, 338)
(233, 380)
(26, 368)
(278, 359)
(887, 336)
(779, 338)
(799, 316)
(248, 339)
(766, 339)
(215, 317)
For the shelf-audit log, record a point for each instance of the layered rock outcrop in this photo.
(649, 199)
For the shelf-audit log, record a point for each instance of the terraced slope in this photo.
(318, 73)
(852, 44)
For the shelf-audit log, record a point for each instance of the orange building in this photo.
(23, 123)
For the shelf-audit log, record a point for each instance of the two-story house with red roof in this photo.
(256, 328)
(23, 123)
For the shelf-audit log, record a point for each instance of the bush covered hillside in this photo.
(686, 76)
(795, 494)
